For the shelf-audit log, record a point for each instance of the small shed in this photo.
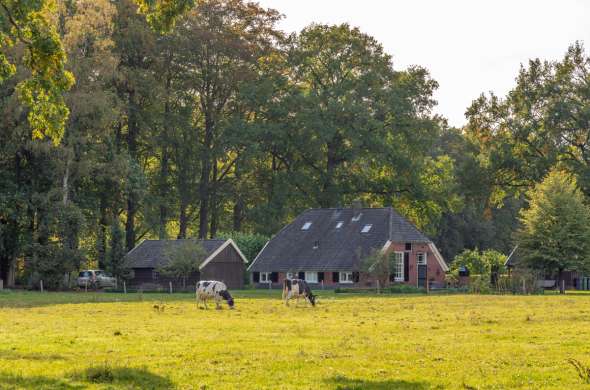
(224, 262)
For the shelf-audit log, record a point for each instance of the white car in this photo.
(96, 279)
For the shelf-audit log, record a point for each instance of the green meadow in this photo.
(161, 341)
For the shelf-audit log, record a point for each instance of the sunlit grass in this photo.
(116, 341)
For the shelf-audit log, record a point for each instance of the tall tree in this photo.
(555, 233)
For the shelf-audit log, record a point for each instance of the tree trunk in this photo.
(205, 179)
(162, 233)
(103, 223)
(238, 211)
(214, 202)
(182, 219)
(132, 134)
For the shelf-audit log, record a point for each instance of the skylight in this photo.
(339, 224)
(357, 217)
(306, 226)
(366, 228)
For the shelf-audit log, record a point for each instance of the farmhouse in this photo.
(223, 262)
(327, 246)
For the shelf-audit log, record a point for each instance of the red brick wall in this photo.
(434, 270)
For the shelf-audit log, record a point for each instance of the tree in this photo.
(542, 121)
(379, 264)
(32, 24)
(184, 259)
(555, 231)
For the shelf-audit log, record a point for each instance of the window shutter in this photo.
(336, 277)
(274, 277)
(355, 277)
(320, 277)
(301, 275)
(256, 277)
(406, 266)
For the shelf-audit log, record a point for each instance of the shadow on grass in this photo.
(10, 382)
(344, 383)
(16, 355)
(131, 378)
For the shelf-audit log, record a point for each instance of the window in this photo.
(311, 277)
(339, 224)
(357, 217)
(155, 275)
(366, 228)
(306, 226)
(408, 246)
(346, 277)
(398, 266)
(421, 258)
(265, 277)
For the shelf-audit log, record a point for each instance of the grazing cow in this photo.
(211, 289)
(297, 288)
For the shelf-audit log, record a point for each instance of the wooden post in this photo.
(523, 286)
(322, 284)
(563, 286)
(269, 285)
(427, 287)
(41, 285)
(124, 288)
(378, 287)
(86, 285)
(1, 284)
(170, 284)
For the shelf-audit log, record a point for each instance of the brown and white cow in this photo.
(212, 289)
(297, 288)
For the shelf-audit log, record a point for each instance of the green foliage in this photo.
(30, 23)
(249, 243)
(555, 232)
(480, 263)
(184, 259)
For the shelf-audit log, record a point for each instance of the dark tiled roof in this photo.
(338, 249)
(151, 253)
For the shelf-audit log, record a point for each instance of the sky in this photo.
(469, 47)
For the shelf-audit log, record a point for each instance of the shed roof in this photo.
(152, 253)
(333, 239)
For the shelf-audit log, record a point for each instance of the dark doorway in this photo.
(422, 275)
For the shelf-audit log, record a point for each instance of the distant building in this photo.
(328, 245)
(224, 262)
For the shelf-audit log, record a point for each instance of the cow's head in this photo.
(312, 299)
(227, 296)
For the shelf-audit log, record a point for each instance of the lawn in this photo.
(133, 341)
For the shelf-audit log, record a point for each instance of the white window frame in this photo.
(346, 277)
(424, 256)
(398, 267)
(308, 277)
(265, 277)
(306, 225)
(367, 228)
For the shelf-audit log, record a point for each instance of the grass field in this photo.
(115, 341)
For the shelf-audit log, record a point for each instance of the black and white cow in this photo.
(211, 289)
(297, 288)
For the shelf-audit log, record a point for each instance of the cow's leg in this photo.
(297, 303)
(205, 301)
(287, 297)
(218, 302)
